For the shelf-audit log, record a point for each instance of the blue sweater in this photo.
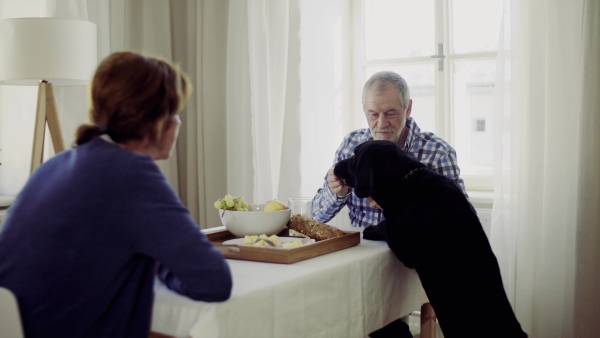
(81, 244)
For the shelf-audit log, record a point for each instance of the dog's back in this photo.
(424, 202)
(431, 226)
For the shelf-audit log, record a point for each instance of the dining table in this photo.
(347, 293)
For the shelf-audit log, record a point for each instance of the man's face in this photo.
(385, 114)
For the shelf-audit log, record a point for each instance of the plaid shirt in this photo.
(428, 148)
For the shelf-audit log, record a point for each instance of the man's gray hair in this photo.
(383, 79)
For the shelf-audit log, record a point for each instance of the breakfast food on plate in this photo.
(274, 205)
(249, 239)
(231, 203)
(295, 233)
(273, 238)
(312, 228)
(262, 240)
(272, 241)
(294, 244)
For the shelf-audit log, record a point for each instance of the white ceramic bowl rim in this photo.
(255, 221)
(254, 207)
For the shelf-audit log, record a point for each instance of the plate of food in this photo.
(324, 238)
(272, 241)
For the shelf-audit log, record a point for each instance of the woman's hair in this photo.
(383, 79)
(133, 96)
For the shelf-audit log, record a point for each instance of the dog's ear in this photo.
(364, 175)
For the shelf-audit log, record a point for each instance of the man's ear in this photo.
(409, 108)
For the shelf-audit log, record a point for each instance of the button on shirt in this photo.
(431, 150)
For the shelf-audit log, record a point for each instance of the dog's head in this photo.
(374, 167)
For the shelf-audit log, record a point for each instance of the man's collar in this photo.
(413, 130)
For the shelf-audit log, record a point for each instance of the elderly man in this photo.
(387, 106)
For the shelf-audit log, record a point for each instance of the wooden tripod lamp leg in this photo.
(46, 112)
(53, 122)
(39, 129)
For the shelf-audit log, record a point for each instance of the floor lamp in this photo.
(43, 52)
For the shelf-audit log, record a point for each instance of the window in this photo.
(479, 125)
(446, 51)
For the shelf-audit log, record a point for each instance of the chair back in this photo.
(10, 319)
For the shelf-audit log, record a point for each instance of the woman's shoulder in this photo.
(100, 149)
(97, 160)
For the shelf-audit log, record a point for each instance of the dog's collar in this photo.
(410, 173)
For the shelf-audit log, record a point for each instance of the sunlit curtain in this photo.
(192, 34)
(545, 223)
(288, 94)
(586, 305)
(260, 46)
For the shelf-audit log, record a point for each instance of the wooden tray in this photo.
(279, 255)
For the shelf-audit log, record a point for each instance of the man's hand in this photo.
(372, 203)
(336, 185)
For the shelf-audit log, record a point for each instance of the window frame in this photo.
(476, 180)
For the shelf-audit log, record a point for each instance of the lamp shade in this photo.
(61, 51)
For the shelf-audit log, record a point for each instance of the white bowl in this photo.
(255, 221)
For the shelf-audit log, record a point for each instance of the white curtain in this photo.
(587, 270)
(289, 95)
(545, 221)
(192, 34)
(261, 53)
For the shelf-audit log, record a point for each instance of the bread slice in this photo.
(312, 228)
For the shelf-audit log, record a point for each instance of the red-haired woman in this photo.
(80, 245)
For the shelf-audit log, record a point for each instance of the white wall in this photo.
(17, 114)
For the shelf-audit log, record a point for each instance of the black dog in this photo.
(432, 227)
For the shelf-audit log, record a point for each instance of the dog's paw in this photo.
(375, 232)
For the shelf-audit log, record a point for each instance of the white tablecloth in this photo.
(348, 293)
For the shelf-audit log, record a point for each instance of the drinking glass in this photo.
(300, 205)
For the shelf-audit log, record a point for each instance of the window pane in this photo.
(473, 111)
(485, 15)
(399, 28)
(421, 83)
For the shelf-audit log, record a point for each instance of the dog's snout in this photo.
(343, 172)
(348, 182)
